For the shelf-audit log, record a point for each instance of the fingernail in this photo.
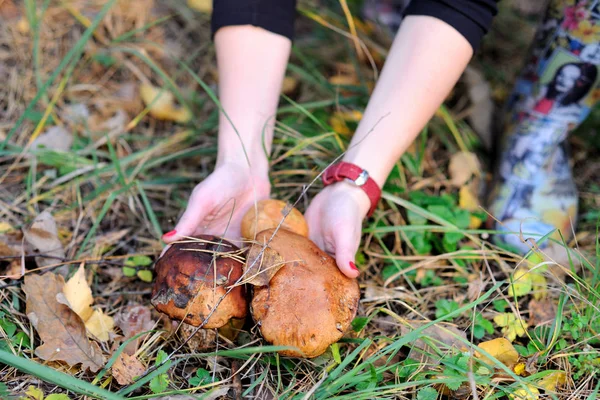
(353, 266)
(171, 233)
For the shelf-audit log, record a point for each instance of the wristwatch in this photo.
(354, 174)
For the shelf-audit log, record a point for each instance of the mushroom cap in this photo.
(192, 276)
(308, 303)
(270, 214)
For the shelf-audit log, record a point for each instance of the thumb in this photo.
(197, 209)
(346, 242)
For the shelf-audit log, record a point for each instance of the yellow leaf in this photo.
(531, 393)
(468, 201)
(539, 285)
(344, 80)
(501, 349)
(521, 283)
(463, 165)
(511, 326)
(352, 116)
(34, 393)
(162, 104)
(79, 294)
(339, 126)
(519, 369)
(552, 380)
(5, 227)
(289, 85)
(204, 6)
(100, 325)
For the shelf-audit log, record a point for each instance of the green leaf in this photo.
(445, 307)
(129, 272)
(145, 275)
(8, 327)
(104, 59)
(443, 212)
(335, 352)
(427, 393)
(138, 261)
(21, 340)
(421, 241)
(202, 376)
(159, 383)
(359, 323)
(500, 305)
(36, 116)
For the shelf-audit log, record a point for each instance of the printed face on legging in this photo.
(566, 78)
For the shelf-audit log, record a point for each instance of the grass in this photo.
(421, 263)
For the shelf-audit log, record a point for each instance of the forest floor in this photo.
(93, 170)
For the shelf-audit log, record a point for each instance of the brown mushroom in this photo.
(193, 276)
(308, 303)
(270, 214)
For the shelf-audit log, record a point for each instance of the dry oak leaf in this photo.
(204, 6)
(79, 298)
(126, 368)
(61, 330)
(463, 165)
(552, 380)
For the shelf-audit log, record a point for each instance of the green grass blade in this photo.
(58, 378)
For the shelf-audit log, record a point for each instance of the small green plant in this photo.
(13, 338)
(481, 326)
(160, 383)
(444, 307)
(134, 266)
(202, 377)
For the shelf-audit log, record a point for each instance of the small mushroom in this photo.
(270, 214)
(308, 303)
(192, 276)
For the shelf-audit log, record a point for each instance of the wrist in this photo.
(354, 175)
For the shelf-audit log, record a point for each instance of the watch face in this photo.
(362, 178)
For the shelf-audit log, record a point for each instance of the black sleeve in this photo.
(472, 18)
(276, 16)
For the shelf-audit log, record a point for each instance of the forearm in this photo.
(425, 61)
(251, 64)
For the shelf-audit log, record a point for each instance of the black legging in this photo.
(472, 18)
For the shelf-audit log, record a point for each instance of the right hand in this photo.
(217, 205)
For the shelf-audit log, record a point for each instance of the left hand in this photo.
(335, 219)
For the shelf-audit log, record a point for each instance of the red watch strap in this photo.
(357, 175)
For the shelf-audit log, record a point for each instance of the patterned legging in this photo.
(553, 95)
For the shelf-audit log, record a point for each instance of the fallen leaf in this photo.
(100, 325)
(344, 80)
(468, 201)
(5, 227)
(289, 86)
(213, 394)
(541, 312)
(463, 165)
(438, 337)
(204, 6)
(79, 294)
(511, 326)
(42, 234)
(126, 368)
(60, 329)
(133, 320)
(339, 126)
(55, 138)
(531, 393)
(520, 369)
(552, 380)
(539, 285)
(521, 283)
(34, 393)
(501, 349)
(162, 104)
(351, 116)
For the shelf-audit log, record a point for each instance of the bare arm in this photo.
(425, 61)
